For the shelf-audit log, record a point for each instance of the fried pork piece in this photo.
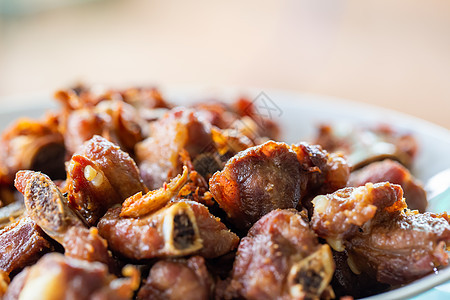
(46, 206)
(394, 172)
(114, 120)
(171, 231)
(256, 181)
(22, 243)
(159, 154)
(178, 279)
(382, 237)
(99, 176)
(401, 246)
(58, 277)
(338, 216)
(274, 175)
(180, 228)
(32, 145)
(281, 258)
(365, 145)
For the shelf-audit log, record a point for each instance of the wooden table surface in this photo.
(394, 54)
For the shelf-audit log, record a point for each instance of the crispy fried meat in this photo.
(180, 228)
(339, 215)
(22, 243)
(99, 176)
(400, 247)
(382, 237)
(275, 175)
(170, 231)
(159, 155)
(58, 277)
(178, 279)
(50, 210)
(256, 181)
(281, 258)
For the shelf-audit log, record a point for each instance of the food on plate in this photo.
(129, 196)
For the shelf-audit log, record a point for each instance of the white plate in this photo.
(298, 115)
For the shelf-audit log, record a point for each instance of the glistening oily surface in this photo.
(190, 224)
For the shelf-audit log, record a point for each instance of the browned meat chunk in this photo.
(21, 244)
(392, 171)
(99, 176)
(178, 279)
(400, 247)
(181, 228)
(59, 277)
(32, 145)
(116, 121)
(274, 175)
(159, 155)
(383, 239)
(86, 244)
(339, 215)
(171, 231)
(365, 145)
(47, 207)
(256, 181)
(281, 258)
(45, 204)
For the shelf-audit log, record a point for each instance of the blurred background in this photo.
(392, 53)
